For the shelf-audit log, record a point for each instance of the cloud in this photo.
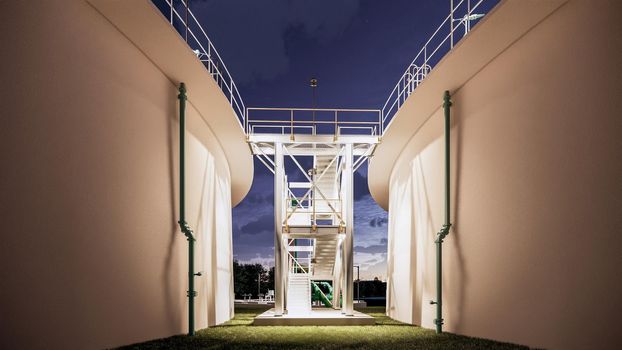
(378, 222)
(262, 31)
(267, 261)
(365, 211)
(259, 198)
(372, 249)
(372, 265)
(264, 223)
(380, 248)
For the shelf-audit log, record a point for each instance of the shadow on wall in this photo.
(392, 254)
(415, 316)
(416, 214)
(390, 268)
(461, 279)
(423, 221)
(202, 304)
(170, 286)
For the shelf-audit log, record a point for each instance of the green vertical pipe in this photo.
(446, 107)
(447, 225)
(182, 153)
(438, 321)
(185, 228)
(191, 292)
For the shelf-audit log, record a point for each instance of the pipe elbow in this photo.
(443, 233)
(186, 230)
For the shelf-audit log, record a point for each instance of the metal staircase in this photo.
(314, 213)
(328, 186)
(298, 293)
(324, 255)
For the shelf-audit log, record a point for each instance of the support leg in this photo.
(348, 242)
(279, 273)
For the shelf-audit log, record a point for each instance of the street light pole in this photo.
(258, 284)
(313, 84)
(358, 282)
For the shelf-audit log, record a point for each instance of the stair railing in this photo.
(294, 265)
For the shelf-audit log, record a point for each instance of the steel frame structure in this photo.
(319, 207)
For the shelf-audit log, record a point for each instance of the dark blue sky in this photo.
(356, 49)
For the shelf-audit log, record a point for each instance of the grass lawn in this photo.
(239, 333)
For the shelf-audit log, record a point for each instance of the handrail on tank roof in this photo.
(202, 46)
(459, 20)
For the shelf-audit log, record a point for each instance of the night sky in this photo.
(356, 49)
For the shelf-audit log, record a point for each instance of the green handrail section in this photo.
(444, 231)
(183, 224)
(318, 295)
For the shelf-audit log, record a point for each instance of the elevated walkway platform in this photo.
(317, 317)
(306, 231)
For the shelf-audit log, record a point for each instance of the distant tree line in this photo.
(245, 277)
(374, 289)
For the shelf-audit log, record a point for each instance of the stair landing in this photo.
(316, 317)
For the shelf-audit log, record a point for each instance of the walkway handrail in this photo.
(463, 13)
(206, 52)
(330, 121)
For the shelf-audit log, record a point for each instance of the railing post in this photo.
(468, 22)
(246, 122)
(209, 56)
(187, 10)
(291, 129)
(382, 119)
(172, 11)
(451, 23)
(336, 125)
(380, 130)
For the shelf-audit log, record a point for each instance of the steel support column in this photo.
(348, 199)
(279, 272)
(338, 275)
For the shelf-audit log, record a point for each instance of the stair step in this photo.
(299, 293)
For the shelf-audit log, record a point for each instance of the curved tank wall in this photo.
(533, 257)
(91, 254)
